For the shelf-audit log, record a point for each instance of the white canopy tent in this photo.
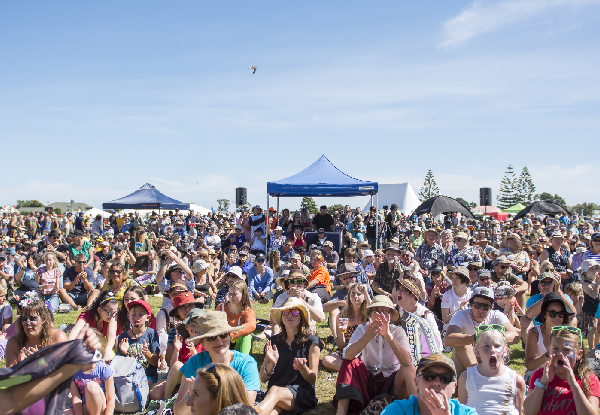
(401, 194)
(93, 212)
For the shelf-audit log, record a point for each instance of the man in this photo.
(78, 288)
(463, 253)
(393, 222)
(295, 285)
(296, 264)
(502, 272)
(237, 239)
(548, 282)
(331, 257)
(323, 220)
(79, 222)
(319, 239)
(371, 224)
(385, 364)
(430, 252)
(484, 279)
(31, 225)
(388, 272)
(286, 251)
(243, 262)
(418, 322)
(347, 276)
(436, 384)
(461, 330)
(260, 280)
(320, 281)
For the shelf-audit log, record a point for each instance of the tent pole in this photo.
(277, 217)
(267, 231)
(376, 219)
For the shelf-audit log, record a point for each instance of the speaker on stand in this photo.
(485, 200)
(241, 196)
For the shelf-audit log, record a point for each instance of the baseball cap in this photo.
(142, 303)
(436, 359)
(235, 271)
(589, 263)
(484, 292)
(484, 272)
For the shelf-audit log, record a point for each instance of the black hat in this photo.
(436, 268)
(260, 256)
(551, 297)
(394, 206)
(77, 232)
(53, 232)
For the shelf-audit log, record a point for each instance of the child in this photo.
(141, 342)
(564, 381)
(93, 389)
(239, 312)
(491, 387)
(506, 302)
(6, 312)
(575, 292)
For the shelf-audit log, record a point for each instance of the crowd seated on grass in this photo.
(233, 313)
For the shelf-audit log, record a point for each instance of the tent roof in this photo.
(542, 208)
(321, 178)
(147, 197)
(514, 209)
(401, 194)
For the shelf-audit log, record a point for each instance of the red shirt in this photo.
(558, 396)
(184, 353)
(88, 317)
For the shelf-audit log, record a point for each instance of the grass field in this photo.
(325, 386)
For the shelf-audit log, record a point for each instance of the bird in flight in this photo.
(254, 69)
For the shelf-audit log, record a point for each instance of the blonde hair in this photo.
(241, 285)
(348, 312)
(580, 369)
(484, 335)
(225, 386)
(574, 288)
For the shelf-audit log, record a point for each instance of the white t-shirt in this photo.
(452, 301)
(464, 320)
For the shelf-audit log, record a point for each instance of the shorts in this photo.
(152, 379)
(588, 323)
(80, 299)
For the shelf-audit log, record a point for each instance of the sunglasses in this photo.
(220, 336)
(570, 329)
(294, 313)
(486, 327)
(430, 377)
(436, 272)
(546, 283)
(484, 278)
(296, 281)
(212, 368)
(109, 313)
(554, 314)
(80, 262)
(260, 261)
(502, 266)
(478, 306)
(548, 269)
(344, 278)
(33, 319)
(115, 271)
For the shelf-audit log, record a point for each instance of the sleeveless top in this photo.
(560, 260)
(541, 349)
(492, 395)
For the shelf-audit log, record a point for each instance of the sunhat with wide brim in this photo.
(292, 302)
(550, 298)
(384, 301)
(291, 275)
(347, 269)
(181, 300)
(214, 323)
(437, 234)
(516, 237)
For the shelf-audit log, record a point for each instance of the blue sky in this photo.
(97, 99)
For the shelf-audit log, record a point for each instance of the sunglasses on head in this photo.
(444, 378)
(212, 368)
(295, 313)
(554, 313)
(570, 329)
(220, 336)
(478, 306)
(486, 327)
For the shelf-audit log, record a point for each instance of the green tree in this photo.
(524, 187)
(57, 211)
(429, 188)
(29, 203)
(587, 208)
(547, 197)
(507, 196)
(467, 204)
(333, 208)
(309, 203)
(224, 205)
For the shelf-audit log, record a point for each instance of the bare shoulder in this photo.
(58, 336)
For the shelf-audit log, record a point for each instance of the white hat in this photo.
(199, 265)
(237, 271)
(589, 263)
(368, 253)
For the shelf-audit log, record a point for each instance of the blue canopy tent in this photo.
(321, 178)
(147, 197)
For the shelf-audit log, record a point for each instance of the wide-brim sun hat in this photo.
(181, 300)
(291, 275)
(347, 269)
(213, 323)
(292, 302)
(384, 301)
(517, 239)
(437, 234)
(550, 298)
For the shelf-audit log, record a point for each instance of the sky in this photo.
(99, 98)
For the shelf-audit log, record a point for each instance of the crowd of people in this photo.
(417, 314)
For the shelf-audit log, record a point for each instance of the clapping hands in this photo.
(271, 352)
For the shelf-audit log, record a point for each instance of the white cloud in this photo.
(482, 17)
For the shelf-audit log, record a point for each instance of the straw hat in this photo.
(517, 239)
(214, 323)
(410, 285)
(292, 302)
(384, 301)
(290, 275)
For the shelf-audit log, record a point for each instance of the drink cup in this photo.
(344, 324)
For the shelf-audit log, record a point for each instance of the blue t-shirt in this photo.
(410, 407)
(100, 374)
(242, 363)
(534, 299)
(69, 276)
(135, 349)
(255, 281)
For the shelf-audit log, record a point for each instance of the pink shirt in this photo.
(49, 278)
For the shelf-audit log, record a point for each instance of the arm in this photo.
(68, 286)
(109, 385)
(510, 333)
(111, 338)
(455, 338)
(534, 309)
(354, 348)
(315, 313)
(18, 275)
(329, 306)
(77, 402)
(91, 256)
(180, 407)
(520, 395)
(377, 288)
(312, 284)
(309, 371)
(462, 388)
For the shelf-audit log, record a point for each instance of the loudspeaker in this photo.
(485, 196)
(240, 196)
(48, 209)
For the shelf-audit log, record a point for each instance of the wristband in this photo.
(267, 373)
(538, 383)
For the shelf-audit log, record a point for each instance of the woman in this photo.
(140, 246)
(48, 278)
(435, 291)
(34, 331)
(205, 290)
(291, 362)
(28, 272)
(298, 238)
(285, 220)
(276, 238)
(305, 219)
(564, 381)
(338, 225)
(118, 280)
(149, 272)
(357, 228)
(239, 313)
(352, 315)
(552, 314)
(216, 387)
(559, 256)
(457, 298)
(521, 263)
(102, 316)
(295, 224)
(275, 263)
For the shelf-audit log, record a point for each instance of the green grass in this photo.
(325, 386)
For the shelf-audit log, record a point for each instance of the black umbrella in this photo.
(542, 208)
(442, 204)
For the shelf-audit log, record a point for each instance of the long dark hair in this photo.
(302, 334)
(105, 297)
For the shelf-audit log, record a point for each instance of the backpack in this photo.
(131, 385)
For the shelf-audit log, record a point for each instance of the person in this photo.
(323, 220)
(34, 331)
(353, 314)
(590, 271)
(298, 238)
(330, 257)
(291, 362)
(276, 238)
(48, 277)
(559, 256)
(564, 381)
(79, 246)
(357, 228)
(260, 280)
(239, 313)
(6, 312)
(392, 220)
(491, 387)
(214, 330)
(205, 290)
(237, 238)
(461, 330)
(319, 239)
(133, 293)
(435, 292)
(430, 252)
(102, 316)
(521, 263)
(140, 342)
(462, 253)
(183, 303)
(258, 242)
(457, 298)
(385, 365)
(78, 289)
(215, 389)
(287, 251)
(502, 272)
(93, 389)
(118, 280)
(505, 302)
(415, 239)
(435, 383)
(320, 281)
(388, 272)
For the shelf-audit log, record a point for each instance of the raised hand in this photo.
(384, 320)
(549, 369)
(373, 327)
(271, 353)
(178, 342)
(124, 346)
(144, 348)
(299, 363)
(437, 403)
(192, 348)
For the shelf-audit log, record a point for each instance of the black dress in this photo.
(285, 376)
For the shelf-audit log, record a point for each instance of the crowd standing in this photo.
(420, 312)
